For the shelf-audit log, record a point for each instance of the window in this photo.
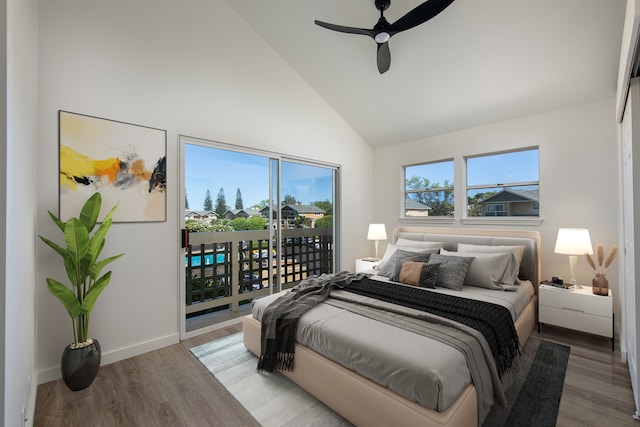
(503, 184)
(428, 189)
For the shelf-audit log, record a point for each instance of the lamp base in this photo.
(573, 262)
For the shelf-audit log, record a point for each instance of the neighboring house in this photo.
(241, 213)
(202, 216)
(415, 208)
(290, 212)
(512, 203)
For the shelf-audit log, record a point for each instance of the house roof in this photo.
(201, 213)
(248, 212)
(304, 209)
(509, 195)
(415, 205)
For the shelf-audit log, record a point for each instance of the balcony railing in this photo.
(227, 269)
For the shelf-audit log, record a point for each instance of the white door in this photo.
(630, 134)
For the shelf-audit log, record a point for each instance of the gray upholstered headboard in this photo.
(529, 267)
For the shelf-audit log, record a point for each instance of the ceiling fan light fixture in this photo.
(382, 37)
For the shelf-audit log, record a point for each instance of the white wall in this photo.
(20, 198)
(192, 67)
(579, 175)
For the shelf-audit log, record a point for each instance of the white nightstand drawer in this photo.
(577, 300)
(576, 320)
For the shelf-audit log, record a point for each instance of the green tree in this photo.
(239, 203)
(325, 222)
(196, 226)
(290, 200)
(473, 206)
(208, 203)
(239, 224)
(221, 204)
(261, 204)
(256, 223)
(438, 197)
(220, 225)
(186, 199)
(325, 205)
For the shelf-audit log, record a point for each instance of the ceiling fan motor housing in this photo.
(382, 4)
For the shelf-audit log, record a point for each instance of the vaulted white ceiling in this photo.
(479, 61)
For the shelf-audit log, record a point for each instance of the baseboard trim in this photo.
(53, 373)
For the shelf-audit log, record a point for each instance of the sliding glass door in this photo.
(254, 223)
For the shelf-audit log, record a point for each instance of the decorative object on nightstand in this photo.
(377, 232)
(573, 242)
(600, 284)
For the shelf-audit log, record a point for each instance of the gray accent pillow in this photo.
(452, 270)
(513, 267)
(390, 250)
(417, 273)
(486, 270)
(401, 255)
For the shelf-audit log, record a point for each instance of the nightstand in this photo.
(366, 264)
(577, 308)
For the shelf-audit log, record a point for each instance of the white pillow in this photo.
(517, 251)
(486, 270)
(408, 243)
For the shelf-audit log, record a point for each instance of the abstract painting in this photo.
(126, 163)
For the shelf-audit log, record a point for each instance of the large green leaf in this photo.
(90, 211)
(65, 296)
(57, 221)
(77, 238)
(96, 242)
(98, 266)
(72, 271)
(92, 296)
(59, 249)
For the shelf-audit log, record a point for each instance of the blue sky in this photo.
(519, 166)
(210, 169)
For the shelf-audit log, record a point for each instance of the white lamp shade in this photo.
(377, 232)
(573, 241)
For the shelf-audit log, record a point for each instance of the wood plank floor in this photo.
(169, 387)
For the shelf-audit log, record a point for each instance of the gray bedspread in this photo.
(424, 358)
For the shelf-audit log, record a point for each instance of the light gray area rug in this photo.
(275, 401)
(272, 399)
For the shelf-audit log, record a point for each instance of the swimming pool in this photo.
(208, 259)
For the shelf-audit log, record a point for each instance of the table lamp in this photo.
(573, 242)
(377, 232)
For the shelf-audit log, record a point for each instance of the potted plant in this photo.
(81, 359)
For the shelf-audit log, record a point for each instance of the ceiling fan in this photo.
(383, 30)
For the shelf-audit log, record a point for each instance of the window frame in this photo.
(461, 209)
(499, 219)
(406, 192)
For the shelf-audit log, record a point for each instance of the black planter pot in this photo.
(80, 365)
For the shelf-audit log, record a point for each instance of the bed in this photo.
(364, 400)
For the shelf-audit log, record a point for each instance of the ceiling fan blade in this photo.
(384, 57)
(420, 15)
(343, 29)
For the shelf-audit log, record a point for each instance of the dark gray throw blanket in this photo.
(493, 321)
(280, 318)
